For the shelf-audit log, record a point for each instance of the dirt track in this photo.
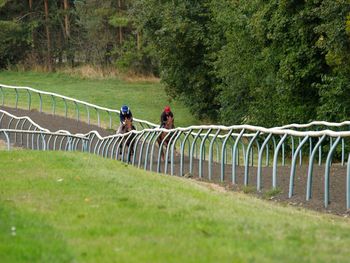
(337, 176)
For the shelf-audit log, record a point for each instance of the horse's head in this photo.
(169, 123)
(128, 124)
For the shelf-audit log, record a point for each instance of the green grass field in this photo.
(74, 207)
(146, 100)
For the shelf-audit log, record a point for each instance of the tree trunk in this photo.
(66, 18)
(120, 27)
(138, 39)
(69, 51)
(33, 55)
(47, 29)
(60, 47)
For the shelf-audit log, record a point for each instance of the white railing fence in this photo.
(53, 103)
(235, 153)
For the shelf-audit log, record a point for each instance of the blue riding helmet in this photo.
(125, 109)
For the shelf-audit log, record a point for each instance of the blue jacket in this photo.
(123, 116)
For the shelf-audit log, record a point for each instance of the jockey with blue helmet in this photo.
(125, 112)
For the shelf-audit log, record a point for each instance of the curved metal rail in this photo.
(78, 106)
(198, 146)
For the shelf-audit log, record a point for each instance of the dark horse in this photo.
(127, 140)
(168, 125)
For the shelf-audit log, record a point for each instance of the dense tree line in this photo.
(259, 62)
(56, 32)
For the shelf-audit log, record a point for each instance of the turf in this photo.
(146, 100)
(75, 207)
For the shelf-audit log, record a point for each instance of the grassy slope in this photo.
(146, 100)
(97, 210)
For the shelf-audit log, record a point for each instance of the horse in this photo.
(168, 125)
(127, 140)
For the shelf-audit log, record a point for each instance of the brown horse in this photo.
(128, 140)
(127, 126)
(168, 125)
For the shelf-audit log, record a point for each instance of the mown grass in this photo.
(146, 100)
(75, 207)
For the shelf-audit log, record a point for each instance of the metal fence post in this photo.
(223, 151)
(326, 173)
(259, 169)
(275, 159)
(246, 168)
(292, 169)
(311, 163)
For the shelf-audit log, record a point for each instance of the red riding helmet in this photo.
(167, 109)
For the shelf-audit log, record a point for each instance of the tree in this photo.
(14, 33)
(180, 34)
(48, 37)
(277, 65)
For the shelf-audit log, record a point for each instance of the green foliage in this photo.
(99, 35)
(14, 35)
(258, 62)
(87, 31)
(117, 20)
(14, 42)
(179, 32)
(281, 61)
(140, 61)
(110, 37)
(272, 193)
(3, 2)
(335, 45)
(248, 189)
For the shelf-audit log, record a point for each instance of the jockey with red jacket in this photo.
(164, 117)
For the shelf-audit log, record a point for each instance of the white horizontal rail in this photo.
(222, 127)
(74, 100)
(24, 118)
(250, 128)
(307, 125)
(109, 147)
(43, 132)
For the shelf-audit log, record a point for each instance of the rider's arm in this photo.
(162, 118)
(121, 117)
